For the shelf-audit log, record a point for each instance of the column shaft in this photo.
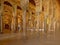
(24, 22)
(37, 25)
(46, 13)
(38, 10)
(1, 11)
(13, 24)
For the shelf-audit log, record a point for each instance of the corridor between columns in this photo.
(35, 18)
(40, 16)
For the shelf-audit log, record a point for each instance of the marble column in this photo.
(29, 20)
(24, 4)
(1, 11)
(38, 11)
(37, 25)
(46, 13)
(51, 13)
(13, 24)
(24, 22)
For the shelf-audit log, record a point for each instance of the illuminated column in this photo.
(38, 11)
(13, 24)
(30, 12)
(1, 11)
(46, 13)
(52, 16)
(37, 25)
(24, 5)
(24, 22)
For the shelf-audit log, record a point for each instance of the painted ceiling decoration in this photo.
(7, 3)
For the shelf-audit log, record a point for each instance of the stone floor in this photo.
(31, 38)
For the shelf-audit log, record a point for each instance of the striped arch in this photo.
(8, 3)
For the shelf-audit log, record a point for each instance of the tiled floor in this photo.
(33, 38)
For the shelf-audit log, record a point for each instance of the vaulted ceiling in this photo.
(7, 3)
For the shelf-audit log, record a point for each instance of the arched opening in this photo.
(6, 17)
(7, 3)
(19, 19)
